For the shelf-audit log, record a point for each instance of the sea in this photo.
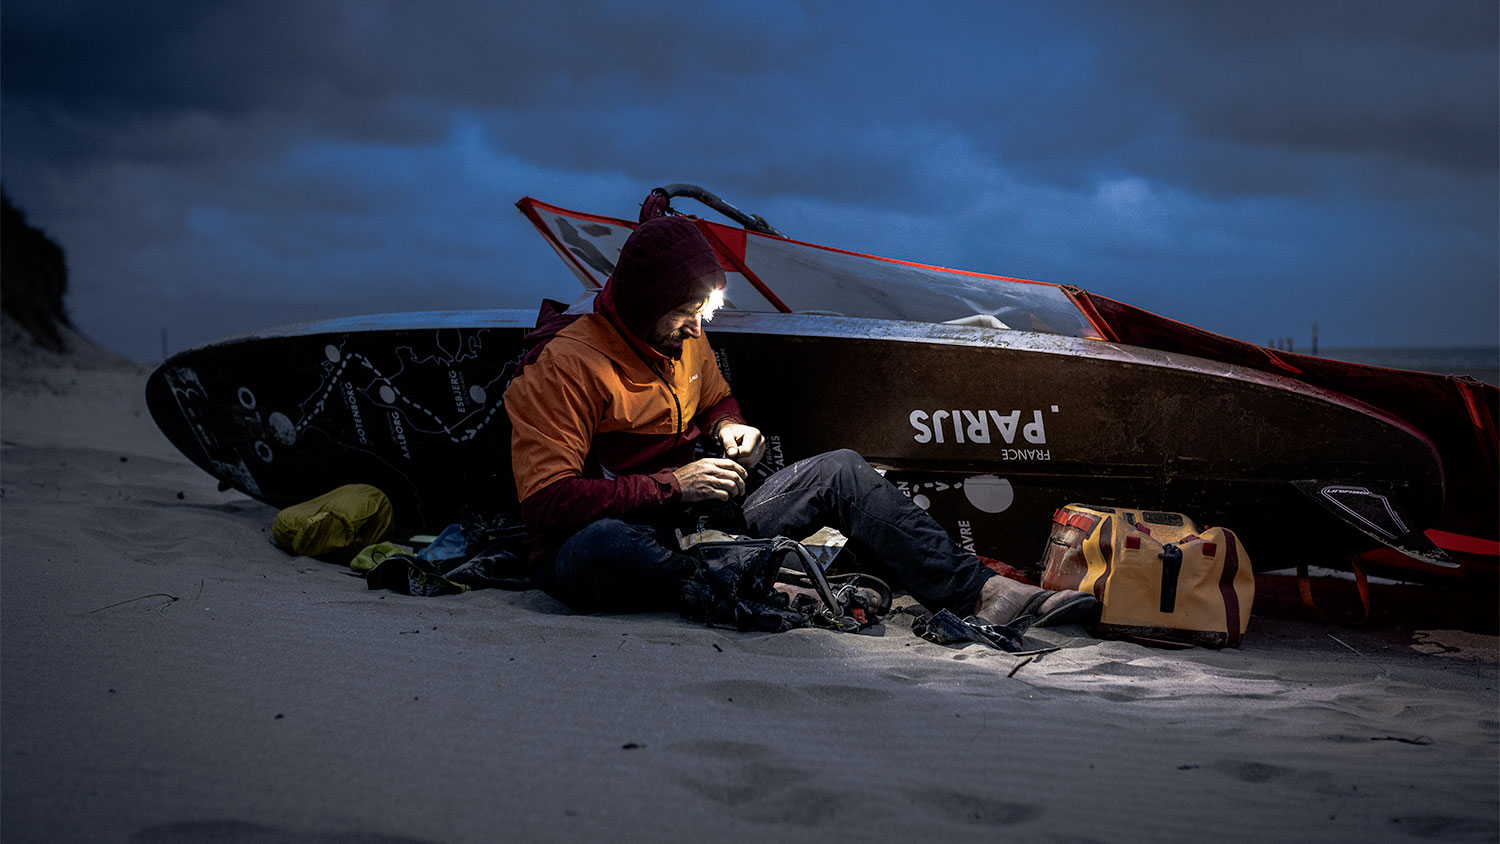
(1480, 362)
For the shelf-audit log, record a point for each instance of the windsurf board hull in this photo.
(990, 430)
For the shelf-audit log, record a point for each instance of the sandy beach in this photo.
(171, 676)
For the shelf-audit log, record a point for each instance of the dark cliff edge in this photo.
(33, 279)
(36, 334)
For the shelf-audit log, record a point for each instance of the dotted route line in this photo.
(336, 378)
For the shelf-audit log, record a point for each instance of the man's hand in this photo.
(711, 479)
(742, 443)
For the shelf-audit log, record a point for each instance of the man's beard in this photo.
(669, 344)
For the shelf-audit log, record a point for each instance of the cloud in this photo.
(1205, 160)
(1409, 83)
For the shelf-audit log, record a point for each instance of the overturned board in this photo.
(994, 430)
(991, 430)
(411, 404)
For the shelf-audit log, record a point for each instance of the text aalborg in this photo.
(982, 427)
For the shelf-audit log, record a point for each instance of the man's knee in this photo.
(855, 474)
(847, 458)
(843, 461)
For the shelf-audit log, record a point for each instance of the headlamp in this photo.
(715, 302)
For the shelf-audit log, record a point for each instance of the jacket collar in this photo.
(604, 303)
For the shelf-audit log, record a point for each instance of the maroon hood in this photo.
(665, 263)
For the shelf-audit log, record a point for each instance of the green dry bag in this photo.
(336, 524)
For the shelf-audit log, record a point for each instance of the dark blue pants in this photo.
(621, 566)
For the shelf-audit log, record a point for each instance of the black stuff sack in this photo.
(733, 584)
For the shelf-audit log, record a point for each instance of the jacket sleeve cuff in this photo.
(727, 410)
(668, 485)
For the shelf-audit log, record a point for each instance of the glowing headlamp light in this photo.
(715, 302)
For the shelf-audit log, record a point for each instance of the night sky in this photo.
(216, 167)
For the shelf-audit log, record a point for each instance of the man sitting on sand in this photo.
(605, 422)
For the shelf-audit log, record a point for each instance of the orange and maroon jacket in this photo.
(599, 423)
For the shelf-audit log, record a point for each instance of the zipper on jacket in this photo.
(675, 400)
(654, 371)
